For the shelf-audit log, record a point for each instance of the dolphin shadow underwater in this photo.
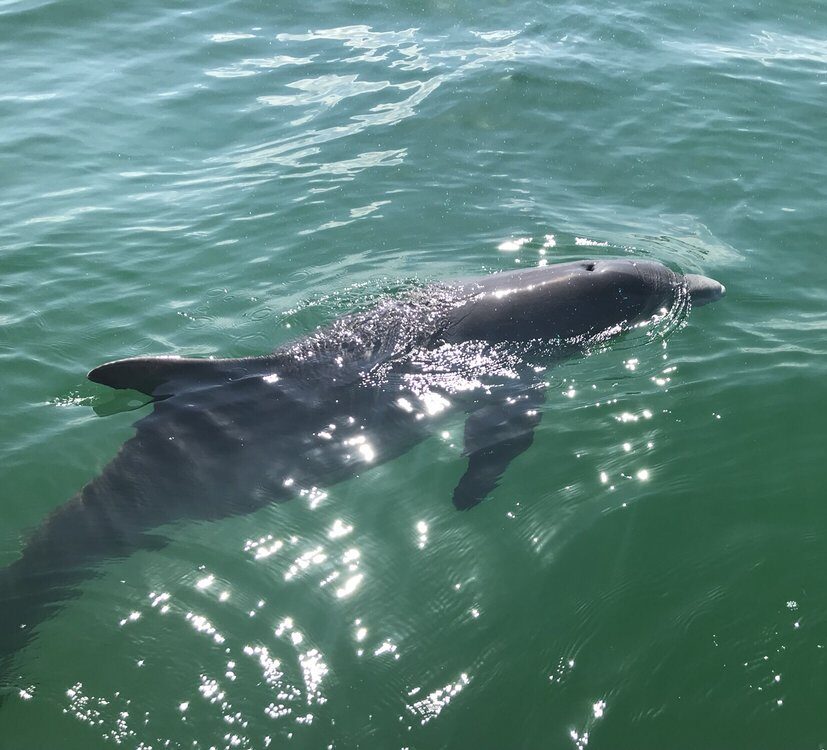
(228, 436)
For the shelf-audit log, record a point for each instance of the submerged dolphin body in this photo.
(227, 436)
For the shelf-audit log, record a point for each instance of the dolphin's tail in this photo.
(64, 551)
(28, 597)
(12, 636)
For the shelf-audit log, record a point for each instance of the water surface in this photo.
(218, 179)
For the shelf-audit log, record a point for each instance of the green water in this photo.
(215, 179)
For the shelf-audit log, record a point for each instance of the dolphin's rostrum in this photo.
(227, 436)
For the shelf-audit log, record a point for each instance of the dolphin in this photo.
(228, 436)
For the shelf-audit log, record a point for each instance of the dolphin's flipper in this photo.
(494, 436)
(164, 376)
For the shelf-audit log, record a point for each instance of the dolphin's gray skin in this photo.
(227, 436)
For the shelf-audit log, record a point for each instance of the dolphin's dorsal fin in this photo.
(165, 376)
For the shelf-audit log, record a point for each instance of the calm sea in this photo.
(218, 178)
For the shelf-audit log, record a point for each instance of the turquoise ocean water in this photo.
(217, 178)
